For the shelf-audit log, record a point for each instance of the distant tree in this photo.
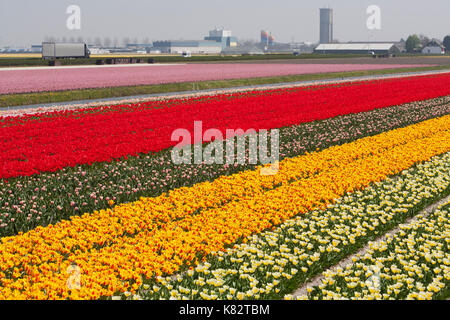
(446, 43)
(412, 43)
(125, 41)
(107, 42)
(424, 40)
(98, 41)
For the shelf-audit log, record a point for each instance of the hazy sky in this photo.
(26, 22)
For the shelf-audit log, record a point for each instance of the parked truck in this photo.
(54, 50)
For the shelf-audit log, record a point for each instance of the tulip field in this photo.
(21, 80)
(92, 205)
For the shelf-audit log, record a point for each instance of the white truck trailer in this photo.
(54, 50)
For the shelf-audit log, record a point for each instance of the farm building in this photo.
(434, 47)
(356, 47)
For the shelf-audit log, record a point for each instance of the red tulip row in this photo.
(55, 140)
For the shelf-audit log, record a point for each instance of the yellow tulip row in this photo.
(113, 249)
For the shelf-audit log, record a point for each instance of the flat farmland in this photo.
(357, 165)
(27, 80)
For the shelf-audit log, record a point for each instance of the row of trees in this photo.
(447, 43)
(415, 43)
(98, 41)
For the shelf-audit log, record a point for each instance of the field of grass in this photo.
(100, 93)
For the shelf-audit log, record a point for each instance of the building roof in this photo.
(354, 46)
(186, 43)
(434, 43)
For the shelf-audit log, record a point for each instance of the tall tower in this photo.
(264, 37)
(326, 25)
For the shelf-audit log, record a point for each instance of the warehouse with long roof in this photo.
(358, 48)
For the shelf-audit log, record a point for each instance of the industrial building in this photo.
(139, 46)
(267, 39)
(357, 48)
(326, 25)
(37, 48)
(190, 46)
(223, 37)
(243, 50)
(99, 50)
(214, 43)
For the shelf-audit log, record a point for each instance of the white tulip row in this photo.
(414, 263)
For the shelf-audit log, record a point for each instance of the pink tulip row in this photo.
(22, 80)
